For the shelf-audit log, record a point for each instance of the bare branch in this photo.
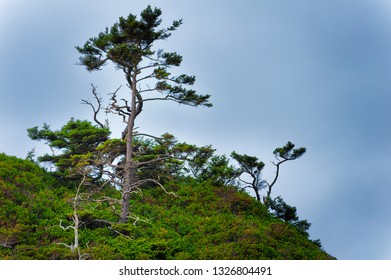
(114, 108)
(147, 90)
(75, 219)
(98, 108)
(121, 234)
(144, 181)
(167, 98)
(243, 181)
(133, 189)
(147, 76)
(5, 244)
(137, 219)
(148, 135)
(139, 164)
(66, 245)
(65, 228)
(107, 199)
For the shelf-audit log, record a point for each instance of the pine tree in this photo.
(128, 44)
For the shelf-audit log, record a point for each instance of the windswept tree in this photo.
(282, 155)
(253, 167)
(128, 44)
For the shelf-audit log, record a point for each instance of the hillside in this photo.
(201, 221)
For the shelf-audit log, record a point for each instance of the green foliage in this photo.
(204, 221)
(288, 152)
(252, 167)
(30, 204)
(75, 142)
(249, 164)
(128, 44)
(287, 213)
(220, 172)
(283, 211)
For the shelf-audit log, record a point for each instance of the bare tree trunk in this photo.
(76, 222)
(130, 166)
(76, 218)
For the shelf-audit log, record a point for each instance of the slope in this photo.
(201, 221)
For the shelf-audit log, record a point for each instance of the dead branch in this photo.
(98, 108)
(6, 244)
(64, 228)
(110, 200)
(122, 110)
(148, 135)
(121, 234)
(75, 219)
(138, 219)
(158, 159)
(144, 181)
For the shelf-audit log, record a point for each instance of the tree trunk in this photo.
(130, 174)
(256, 190)
(130, 165)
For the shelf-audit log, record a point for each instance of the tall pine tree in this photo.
(128, 44)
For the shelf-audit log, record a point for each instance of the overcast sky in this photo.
(316, 73)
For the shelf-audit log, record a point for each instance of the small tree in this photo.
(128, 44)
(252, 166)
(220, 172)
(283, 154)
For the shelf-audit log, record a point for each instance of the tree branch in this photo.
(137, 219)
(121, 234)
(148, 135)
(144, 181)
(6, 244)
(99, 104)
(114, 108)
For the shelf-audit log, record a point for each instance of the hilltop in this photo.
(189, 219)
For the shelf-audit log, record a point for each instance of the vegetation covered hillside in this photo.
(201, 221)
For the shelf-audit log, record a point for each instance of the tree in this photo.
(203, 164)
(197, 164)
(283, 154)
(128, 44)
(76, 138)
(220, 172)
(252, 166)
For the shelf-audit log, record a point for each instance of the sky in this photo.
(316, 73)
